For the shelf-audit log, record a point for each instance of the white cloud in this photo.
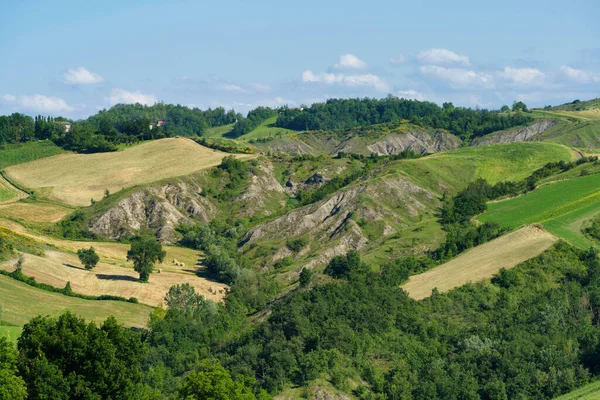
(458, 77)
(81, 76)
(442, 57)
(123, 96)
(39, 103)
(523, 76)
(232, 88)
(397, 60)
(411, 94)
(578, 75)
(346, 80)
(259, 87)
(350, 61)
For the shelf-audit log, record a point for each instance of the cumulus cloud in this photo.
(123, 96)
(578, 75)
(368, 80)
(458, 77)
(523, 76)
(442, 57)
(350, 61)
(411, 94)
(81, 76)
(397, 60)
(39, 103)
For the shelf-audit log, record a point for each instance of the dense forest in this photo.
(348, 113)
(123, 123)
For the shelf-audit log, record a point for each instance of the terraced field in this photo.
(562, 208)
(76, 178)
(481, 262)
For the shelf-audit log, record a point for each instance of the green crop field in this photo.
(498, 162)
(588, 392)
(561, 208)
(21, 153)
(21, 302)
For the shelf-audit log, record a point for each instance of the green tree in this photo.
(305, 277)
(66, 358)
(12, 386)
(213, 382)
(88, 257)
(145, 252)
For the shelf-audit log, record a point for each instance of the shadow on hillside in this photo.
(74, 266)
(202, 273)
(117, 277)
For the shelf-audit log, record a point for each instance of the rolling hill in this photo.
(76, 178)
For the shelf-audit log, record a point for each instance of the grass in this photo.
(7, 192)
(76, 178)
(562, 208)
(218, 131)
(14, 154)
(498, 162)
(21, 302)
(56, 268)
(34, 212)
(481, 262)
(109, 252)
(266, 129)
(12, 333)
(588, 392)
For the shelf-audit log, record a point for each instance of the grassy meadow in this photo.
(588, 392)
(481, 262)
(13, 154)
(562, 208)
(21, 302)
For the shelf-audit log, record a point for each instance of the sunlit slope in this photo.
(76, 178)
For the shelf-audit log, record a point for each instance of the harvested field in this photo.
(109, 252)
(56, 268)
(34, 212)
(21, 302)
(481, 262)
(76, 178)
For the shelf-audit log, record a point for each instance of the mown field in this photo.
(110, 252)
(481, 262)
(588, 392)
(57, 268)
(21, 302)
(562, 208)
(76, 178)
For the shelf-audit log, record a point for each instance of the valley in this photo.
(306, 233)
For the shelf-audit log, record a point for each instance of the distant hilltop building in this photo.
(160, 122)
(66, 124)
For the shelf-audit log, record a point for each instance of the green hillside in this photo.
(562, 208)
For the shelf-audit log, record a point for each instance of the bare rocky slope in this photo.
(418, 140)
(159, 208)
(523, 134)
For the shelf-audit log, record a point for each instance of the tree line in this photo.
(466, 123)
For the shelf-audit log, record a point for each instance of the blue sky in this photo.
(73, 58)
